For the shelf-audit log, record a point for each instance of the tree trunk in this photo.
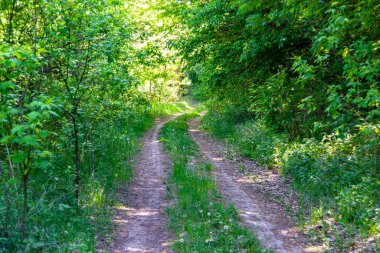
(25, 179)
(35, 19)
(7, 201)
(10, 24)
(76, 158)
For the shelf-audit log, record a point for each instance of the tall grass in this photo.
(166, 109)
(56, 221)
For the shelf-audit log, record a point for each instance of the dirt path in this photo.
(142, 223)
(274, 230)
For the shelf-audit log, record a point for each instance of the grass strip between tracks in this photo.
(199, 218)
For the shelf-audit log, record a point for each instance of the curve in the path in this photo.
(265, 218)
(142, 223)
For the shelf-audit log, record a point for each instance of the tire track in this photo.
(142, 223)
(274, 230)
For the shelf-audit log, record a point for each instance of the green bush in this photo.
(338, 173)
(256, 141)
(221, 120)
(358, 204)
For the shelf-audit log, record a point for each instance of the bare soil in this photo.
(259, 213)
(142, 222)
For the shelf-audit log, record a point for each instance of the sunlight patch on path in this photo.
(268, 220)
(142, 224)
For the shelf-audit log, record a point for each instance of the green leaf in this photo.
(6, 139)
(19, 129)
(43, 134)
(42, 164)
(29, 140)
(7, 85)
(33, 116)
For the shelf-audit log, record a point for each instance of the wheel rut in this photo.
(274, 229)
(142, 223)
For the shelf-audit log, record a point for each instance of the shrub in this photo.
(260, 143)
(221, 120)
(339, 173)
(357, 204)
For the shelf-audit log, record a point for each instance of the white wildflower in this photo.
(225, 227)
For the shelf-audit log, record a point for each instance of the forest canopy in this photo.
(305, 67)
(292, 84)
(72, 76)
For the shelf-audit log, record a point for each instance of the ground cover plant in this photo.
(72, 113)
(337, 176)
(294, 86)
(199, 218)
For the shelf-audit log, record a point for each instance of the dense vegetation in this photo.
(295, 86)
(292, 84)
(71, 115)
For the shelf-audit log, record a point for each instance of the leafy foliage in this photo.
(295, 85)
(298, 65)
(72, 113)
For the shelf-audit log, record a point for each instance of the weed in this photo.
(337, 177)
(199, 218)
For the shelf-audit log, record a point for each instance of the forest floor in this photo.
(141, 221)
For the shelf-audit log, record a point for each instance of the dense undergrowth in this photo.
(80, 82)
(337, 176)
(198, 217)
(292, 84)
(56, 222)
(295, 85)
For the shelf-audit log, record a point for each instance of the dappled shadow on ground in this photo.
(141, 222)
(246, 192)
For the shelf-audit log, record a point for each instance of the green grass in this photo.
(160, 109)
(337, 177)
(56, 223)
(200, 220)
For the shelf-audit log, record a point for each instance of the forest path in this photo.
(142, 223)
(267, 219)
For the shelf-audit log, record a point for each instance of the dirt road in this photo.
(142, 224)
(274, 229)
